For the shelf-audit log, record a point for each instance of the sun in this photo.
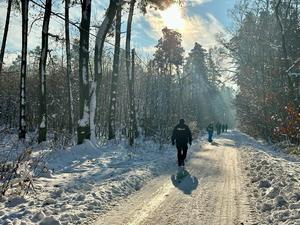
(172, 17)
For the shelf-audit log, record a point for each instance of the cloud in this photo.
(202, 29)
(196, 2)
(9, 57)
(146, 29)
(146, 52)
(14, 37)
(154, 19)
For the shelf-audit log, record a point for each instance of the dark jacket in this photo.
(210, 128)
(181, 135)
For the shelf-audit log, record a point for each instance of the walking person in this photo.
(218, 126)
(210, 131)
(181, 136)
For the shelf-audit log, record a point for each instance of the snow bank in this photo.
(86, 181)
(273, 182)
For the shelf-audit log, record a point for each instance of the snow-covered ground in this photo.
(86, 181)
(273, 181)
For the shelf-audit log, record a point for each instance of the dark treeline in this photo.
(112, 95)
(163, 93)
(266, 50)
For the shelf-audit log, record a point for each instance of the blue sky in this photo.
(203, 19)
(218, 8)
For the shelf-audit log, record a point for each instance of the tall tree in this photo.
(283, 45)
(200, 88)
(115, 75)
(100, 39)
(69, 68)
(168, 54)
(265, 101)
(213, 68)
(132, 115)
(132, 119)
(83, 130)
(22, 121)
(42, 73)
(9, 4)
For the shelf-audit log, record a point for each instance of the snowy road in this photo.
(211, 192)
(236, 181)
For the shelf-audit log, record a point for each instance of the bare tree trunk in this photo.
(9, 3)
(130, 75)
(102, 32)
(42, 72)
(114, 79)
(22, 122)
(83, 130)
(128, 37)
(296, 3)
(69, 69)
(132, 116)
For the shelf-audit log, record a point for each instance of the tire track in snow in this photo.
(219, 199)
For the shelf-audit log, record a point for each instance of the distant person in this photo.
(226, 127)
(181, 136)
(210, 131)
(223, 128)
(218, 126)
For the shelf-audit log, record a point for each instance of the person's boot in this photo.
(181, 163)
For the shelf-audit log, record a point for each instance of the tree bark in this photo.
(130, 76)
(22, 121)
(101, 35)
(114, 79)
(83, 130)
(5, 34)
(69, 69)
(132, 116)
(128, 36)
(42, 72)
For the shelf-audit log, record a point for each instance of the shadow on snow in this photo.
(184, 181)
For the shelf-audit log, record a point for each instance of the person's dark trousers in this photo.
(210, 134)
(181, 154)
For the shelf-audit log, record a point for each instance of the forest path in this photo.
(210, 191)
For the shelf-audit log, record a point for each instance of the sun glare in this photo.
(172, 17)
